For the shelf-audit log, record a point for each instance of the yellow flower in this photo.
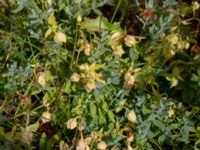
(130, 40)
(129, 80)
(46, 117)
(195, 5)
(115, 39)
(79, 19)
(75, 77)
(60, 37)
(101, 145)
(84, 67)
(89, 86)
(41, 79)
(170, 112)
(118, 51)
(173, 39)
(173, 80)
(187, 45)
(180, 44)
(87, 49)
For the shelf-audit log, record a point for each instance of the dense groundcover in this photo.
(99, 74)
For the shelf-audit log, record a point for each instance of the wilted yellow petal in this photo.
(71, 123)
(46, 117)
(27, 137)
(131, 116)
(129, 78)
(101, 145)
(60, 37)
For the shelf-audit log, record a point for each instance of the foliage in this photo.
(75, 75)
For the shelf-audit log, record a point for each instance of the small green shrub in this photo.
(99, 74)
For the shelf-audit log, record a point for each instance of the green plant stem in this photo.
(30, 45)
(116, 9)
(74, 50)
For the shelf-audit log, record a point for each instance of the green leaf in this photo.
(1, 131)
(104, 106)
(111, 116)
(93, 110)
(43, 141)
(93, 24)
(52, 141)
(102, 118)
(33, 127)
(66, 87)
(159, 124)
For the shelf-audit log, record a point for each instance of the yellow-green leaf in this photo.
(52, 20)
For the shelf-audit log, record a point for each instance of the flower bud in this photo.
(79, 19)
(130, 137)
(131, 116)
(101, 145)
(71, 123)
